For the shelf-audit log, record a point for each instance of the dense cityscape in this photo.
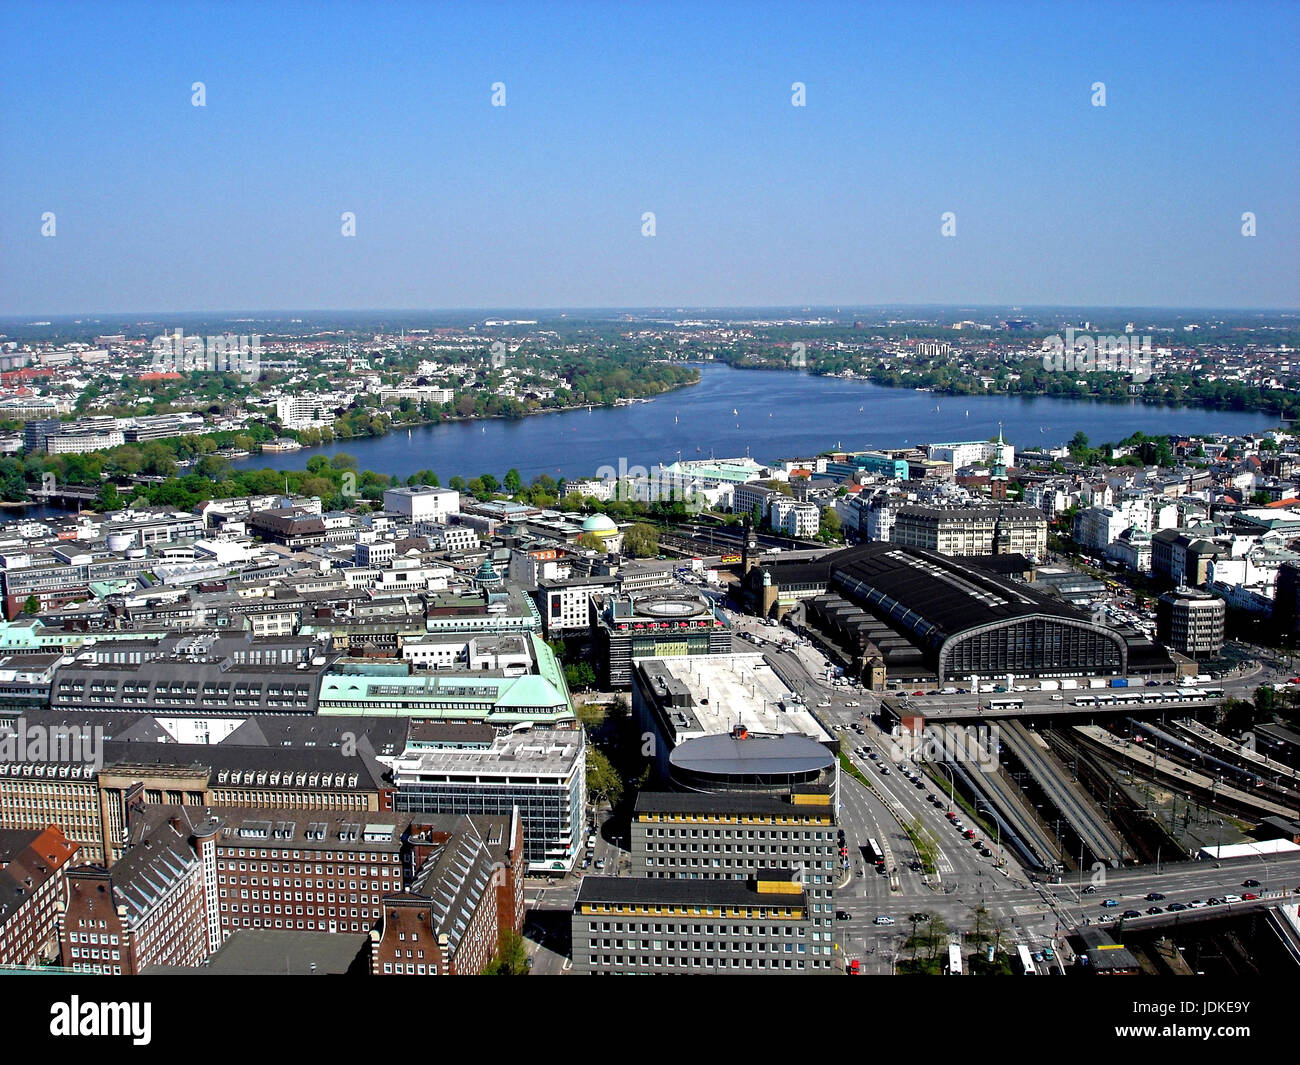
(650, 490)
(965, 696)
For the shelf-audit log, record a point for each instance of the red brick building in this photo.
(149, 909)
(33, 865)
(467, 893)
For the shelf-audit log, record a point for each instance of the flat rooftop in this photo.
(730, 689)
(537, 752)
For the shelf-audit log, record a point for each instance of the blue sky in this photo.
(685, 110)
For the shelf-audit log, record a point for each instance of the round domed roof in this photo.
(599, 523)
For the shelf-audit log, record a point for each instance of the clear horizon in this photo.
(984, 110)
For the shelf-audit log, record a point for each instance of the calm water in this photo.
(778, 415)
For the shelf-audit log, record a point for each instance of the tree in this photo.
(641, 541)
(756, 516)
(32, 605)
(591, 541)
(513, 481)
(511, 958)
(603, 782)
(579, 676)
(832, 528)
(108, 498)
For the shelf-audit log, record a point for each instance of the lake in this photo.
(778, 414)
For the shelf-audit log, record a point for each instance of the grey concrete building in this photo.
(641, 926)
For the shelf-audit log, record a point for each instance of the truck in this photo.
(1069, 684)
(1119, 682)
(1049, 686)
(1202, 678)
(1096, 682)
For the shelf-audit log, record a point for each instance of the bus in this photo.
(874, 854)
(1214, 693)
(954, 960)
(1006, 704)
(1026, 962)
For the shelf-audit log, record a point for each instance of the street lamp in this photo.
(951, 783)
(997, 824)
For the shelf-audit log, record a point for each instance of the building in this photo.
(363, 856)
(204, 674)
(987, 530)
(422, 502)
(969, 452)
(149, 909)
(637, 925)
(1191, 622)
(33, 865)
(540, 772)
(565, 604)
(507, 679)
(733, 836)
(626, 627)
(728, 722)
(926, 615)
(794, 518)
(306, 410)
(466, 894)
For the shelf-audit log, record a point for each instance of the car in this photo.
(1108, 903)
(1049, 953)
(1058, 698)
(1090, 890)
(855, 967)
(884, 770)
(977, 843)
(1196, 904)
(931, 797)
(919, 784)
(1154, 896)
(843, 915)
(852, 702)
(600, 863)
(969, 833)
(1250, 883)
(1250, 896)
(1038, 956)
(985, 851)
(1232, 898)
(882, 919)
(872, 755)
(585, 862)
(1130, 914)
(1176, 907)
(822, 705)
(951, 815)
(918, 693)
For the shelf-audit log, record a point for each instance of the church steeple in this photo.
(998, 475)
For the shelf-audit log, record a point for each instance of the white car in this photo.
(853, 702)
(882, 919)
(1232, 898)
(823, 705)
